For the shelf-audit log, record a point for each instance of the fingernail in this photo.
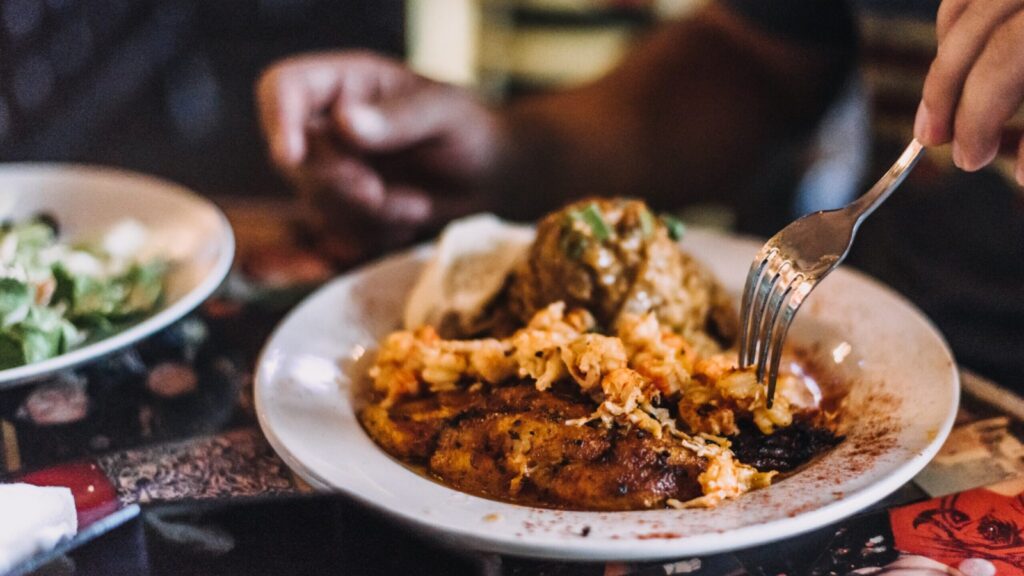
(411, 209)
(295, 149)
(958, 155)
(285, 152)
(367, 123)
(921, 123)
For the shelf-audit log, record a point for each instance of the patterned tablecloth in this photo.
(172, 418)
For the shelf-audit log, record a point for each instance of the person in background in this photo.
(164, 86)
(708, 108)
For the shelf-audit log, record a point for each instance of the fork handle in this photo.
(863, 207)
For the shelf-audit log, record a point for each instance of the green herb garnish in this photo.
(646, 223)
(592, 216)
(676, 228)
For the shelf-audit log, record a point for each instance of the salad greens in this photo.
(54, 295)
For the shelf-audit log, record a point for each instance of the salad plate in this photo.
(187, 235)
(903, 391)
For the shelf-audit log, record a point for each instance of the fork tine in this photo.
(770, 317)
(749, 292)
(763, 290)
(748, 295)
(799, 290)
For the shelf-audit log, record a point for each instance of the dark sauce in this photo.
(786, 449)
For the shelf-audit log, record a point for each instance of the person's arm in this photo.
(692, 114)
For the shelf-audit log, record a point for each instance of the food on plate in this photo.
(55, 295)
(613, 258)
(603, 379)
(466, 274)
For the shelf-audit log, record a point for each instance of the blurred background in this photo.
(165, 86)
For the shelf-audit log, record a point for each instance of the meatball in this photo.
(614, 257)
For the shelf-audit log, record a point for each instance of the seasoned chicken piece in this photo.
(531, 457)
(640, 472)
(495, 455)
(512, 443)
(409, 429)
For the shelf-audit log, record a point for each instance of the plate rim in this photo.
(624, 549)
(28, 373)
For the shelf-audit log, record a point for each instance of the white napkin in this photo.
(33, 519)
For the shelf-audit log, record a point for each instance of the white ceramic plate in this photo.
(903, 399)
(188, 230)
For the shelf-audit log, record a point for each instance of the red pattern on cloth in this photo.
(977, 524)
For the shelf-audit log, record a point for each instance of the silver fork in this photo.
(791, 264)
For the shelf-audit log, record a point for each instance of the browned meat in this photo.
(486, 454)
(409, 429)
(532, 458)
(511, 443)
(637, 472)
(613, 257)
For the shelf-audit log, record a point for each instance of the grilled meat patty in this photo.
(511, 443)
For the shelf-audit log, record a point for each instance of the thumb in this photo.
(401, 122)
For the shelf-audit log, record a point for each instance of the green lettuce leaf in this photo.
(15, 296)
(40, 335)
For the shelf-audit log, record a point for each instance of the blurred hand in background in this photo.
(377, 152)
(695, 113)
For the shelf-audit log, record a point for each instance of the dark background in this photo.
(163, 86)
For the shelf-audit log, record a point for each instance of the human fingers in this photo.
(403, 121)
(346, 187)
(1019, 170)
(414, 206)
(960, 48)
(296, 91)
(406, 205)
(949, 12)
(291, 95)
(348, 232)
(992, 93)
(281, 104)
